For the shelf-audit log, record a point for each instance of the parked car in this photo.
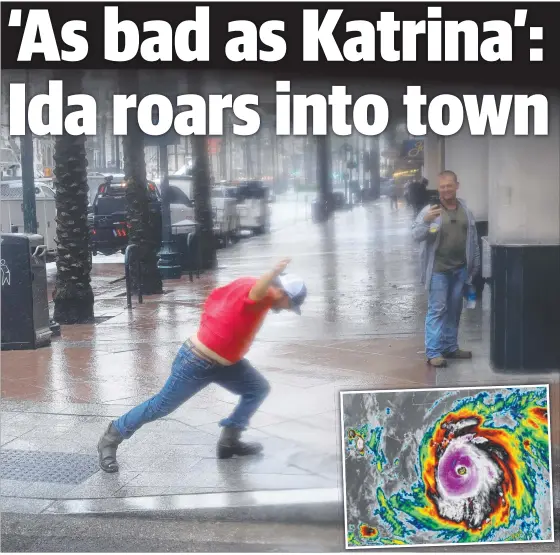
(253, 208)
(108, 217)
(226, 216)
(11, 217)
(95, 179)
(224, 212)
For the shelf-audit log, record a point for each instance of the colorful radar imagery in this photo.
(439, 466)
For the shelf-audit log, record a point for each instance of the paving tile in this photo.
(328, 421)
(251, 434)
(12, 488)
(86, 409)
(25, 445)
(46, 490)
(323, 464)
(167, 479)
(261, 418)
(264, 464)
(5, 440)
(149, 491)
(17, 429)
(135, 464)
(19, 505)
(46, 434)
(192, 437)
(313, 438)
(100, 485)
(250, 482)
(173, 462)
(195, 417)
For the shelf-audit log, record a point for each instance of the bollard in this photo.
(194, 258)
(139, 274)
(127, 255)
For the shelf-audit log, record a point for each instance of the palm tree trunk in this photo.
(201, 185)
(202, 202)
(144, 227)
(73, 295)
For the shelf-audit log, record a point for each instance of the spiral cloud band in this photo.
(476, 470)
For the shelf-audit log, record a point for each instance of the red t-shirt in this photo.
(230, 319)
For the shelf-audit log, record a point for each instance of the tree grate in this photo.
(42, 466)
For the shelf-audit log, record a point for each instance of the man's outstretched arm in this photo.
(260, 289)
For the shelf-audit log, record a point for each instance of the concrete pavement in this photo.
(361, 329)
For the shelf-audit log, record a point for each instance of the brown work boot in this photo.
(459, 354)
(229, 445)
(437, 362)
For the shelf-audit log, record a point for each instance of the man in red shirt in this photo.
(231, 318)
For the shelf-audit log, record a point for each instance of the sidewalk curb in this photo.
(300, 506)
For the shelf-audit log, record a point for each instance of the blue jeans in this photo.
(445, 304)
(189, 375)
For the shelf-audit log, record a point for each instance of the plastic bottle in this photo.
(435, 225)
(470, 297)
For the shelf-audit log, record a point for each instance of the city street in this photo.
(361, 328)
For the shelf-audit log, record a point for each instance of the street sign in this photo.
(413, 150)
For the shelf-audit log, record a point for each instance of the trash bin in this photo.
(181, 231)
(318, 211)
(25, 305)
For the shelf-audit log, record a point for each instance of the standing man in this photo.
(231, 318)
(450, 258)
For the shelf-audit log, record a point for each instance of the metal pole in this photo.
(28, 173)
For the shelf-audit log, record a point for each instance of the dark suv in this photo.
(107, 217)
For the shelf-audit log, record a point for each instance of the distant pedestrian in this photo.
(394, 196)
(231, 318)
(450, 260)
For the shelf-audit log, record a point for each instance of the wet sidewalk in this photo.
(361, 328)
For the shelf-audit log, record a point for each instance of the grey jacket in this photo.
(429, 243)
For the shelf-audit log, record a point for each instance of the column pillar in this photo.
(433, 159)
(467, 156)
(524, 234)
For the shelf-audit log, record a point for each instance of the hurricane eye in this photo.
(461, 471)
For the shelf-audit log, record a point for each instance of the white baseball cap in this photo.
(295, 288)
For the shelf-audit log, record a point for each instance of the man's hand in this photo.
(260, 289)
(433, 213)
(281, 266)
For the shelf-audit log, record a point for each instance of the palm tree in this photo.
(73, 295)
(202, 202)
(201, 185)
(144, 229)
